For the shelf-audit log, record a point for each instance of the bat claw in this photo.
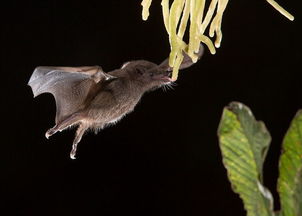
(72, 155)
(73, 150)
(46, 135)
(50, 132)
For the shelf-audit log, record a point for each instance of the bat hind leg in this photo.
(69, 121)
(80, 132)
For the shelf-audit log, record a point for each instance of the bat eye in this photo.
(138, 71)
(151, 74)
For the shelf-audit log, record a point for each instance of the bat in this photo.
(89, 98)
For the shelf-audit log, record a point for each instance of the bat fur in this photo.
(89, 98)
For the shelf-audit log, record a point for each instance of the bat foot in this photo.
(74, 148)
(50, 132)
(73, 151)
(72, 154)
(80, 131)
(47, 135)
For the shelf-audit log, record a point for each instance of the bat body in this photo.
(89, 98)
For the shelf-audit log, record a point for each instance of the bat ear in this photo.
(125, 64)
(186, 62)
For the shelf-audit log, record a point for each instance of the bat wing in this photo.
(69, 85)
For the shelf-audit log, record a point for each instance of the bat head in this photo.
(151, 75)
(147, 74)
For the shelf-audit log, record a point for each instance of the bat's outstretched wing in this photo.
(69, 85)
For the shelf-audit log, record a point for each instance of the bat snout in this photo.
(165, 77)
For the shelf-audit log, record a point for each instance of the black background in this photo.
(162, 159)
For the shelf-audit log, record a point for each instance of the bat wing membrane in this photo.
(69, 85)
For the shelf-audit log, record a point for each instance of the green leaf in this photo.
(290, 178)
(244, 143)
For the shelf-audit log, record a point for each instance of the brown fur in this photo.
(89, 98)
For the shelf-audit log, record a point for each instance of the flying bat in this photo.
(89, 98)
